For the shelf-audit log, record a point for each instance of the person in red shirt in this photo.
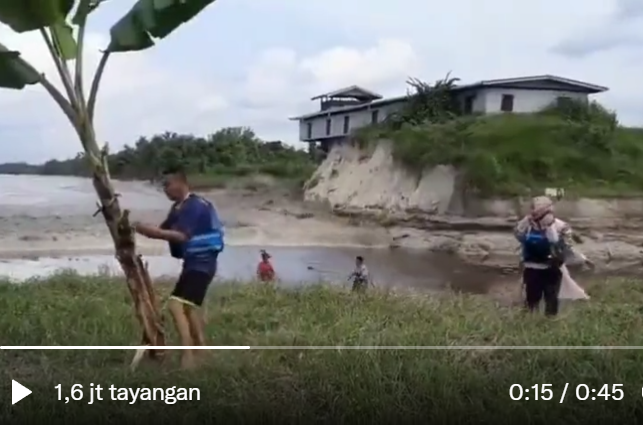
(265, 272)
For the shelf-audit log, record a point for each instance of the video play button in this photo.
(18, 392)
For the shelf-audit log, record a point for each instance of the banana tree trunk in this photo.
(146, 303)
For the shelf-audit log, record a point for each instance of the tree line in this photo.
(233, 151)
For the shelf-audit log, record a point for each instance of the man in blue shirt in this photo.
(195, 235)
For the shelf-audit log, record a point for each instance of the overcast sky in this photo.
(255, 63)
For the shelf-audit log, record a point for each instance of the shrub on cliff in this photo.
(427, 103)
(575, 145)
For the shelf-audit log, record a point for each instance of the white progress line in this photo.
(326, 347)
(120, 347)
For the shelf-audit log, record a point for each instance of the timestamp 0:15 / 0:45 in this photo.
(581, 392)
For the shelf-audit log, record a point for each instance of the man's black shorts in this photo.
(192, 287)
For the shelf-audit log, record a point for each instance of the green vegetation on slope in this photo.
(577, 146)
(334, 386)
(210, 160)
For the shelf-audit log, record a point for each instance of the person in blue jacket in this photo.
(194, 234)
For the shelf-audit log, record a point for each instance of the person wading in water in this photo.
(360, 276)
(195, 235)
(546, 242)
(265, 271)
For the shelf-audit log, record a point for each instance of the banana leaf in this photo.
(15, 73)
(30, 15)
(150, 19)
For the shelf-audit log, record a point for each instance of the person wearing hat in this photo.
(546, 242)
(265, 271)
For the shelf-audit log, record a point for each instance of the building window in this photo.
(328, 123)
(347, 124)
(507, 103)
(468, 104)
(562, 101)
(309, 131)
(375, 116)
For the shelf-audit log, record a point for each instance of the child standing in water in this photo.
(265, 271)
(360, 276)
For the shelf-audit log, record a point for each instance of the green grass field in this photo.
(522, 154)
(326, 386)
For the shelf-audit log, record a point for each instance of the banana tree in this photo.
(62, 25)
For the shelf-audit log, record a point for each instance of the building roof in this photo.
(590, 88)
(353, 91)
(499, 83)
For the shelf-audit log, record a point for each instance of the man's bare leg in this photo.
(178, 311)
(197, 325)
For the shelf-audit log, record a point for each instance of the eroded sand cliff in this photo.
(432, 211)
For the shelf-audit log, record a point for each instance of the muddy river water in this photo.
(46, 224)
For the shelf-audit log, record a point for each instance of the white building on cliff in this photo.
(347, 109)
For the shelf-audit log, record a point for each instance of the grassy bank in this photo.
(577, 146)
(327, 385)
